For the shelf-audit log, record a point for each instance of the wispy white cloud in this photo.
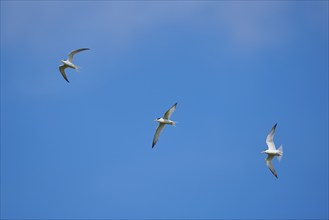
(245, 23)
(120, 21)
(254, 24)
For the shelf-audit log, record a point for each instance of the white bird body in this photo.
(165, 121)
(162, 122)
(272, 151)
(68, 63)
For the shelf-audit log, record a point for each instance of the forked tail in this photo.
(174, 123)
(281, 153)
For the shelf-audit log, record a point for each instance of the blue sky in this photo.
(83, 149)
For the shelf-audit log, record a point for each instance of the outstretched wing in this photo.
(157, 134)
(74, 52)
(62, 70)
(170, 111)
(269, 139)
(270, 165)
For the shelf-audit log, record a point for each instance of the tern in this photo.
(162, 122)
(272, 151)
(68, 63)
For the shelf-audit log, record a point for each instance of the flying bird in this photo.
(68, 63)
(272, 151)
(162, 122)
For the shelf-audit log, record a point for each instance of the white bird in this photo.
(162, 122)
(272, 151)
(68, 62)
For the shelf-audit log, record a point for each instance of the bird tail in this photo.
(77, 68)
(281, 153)
(174, 123)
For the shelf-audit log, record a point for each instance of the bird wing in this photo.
(61, 69)
(170, 111)
(269, 139)
(74, 52)
(157, 133)
(270, 165)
